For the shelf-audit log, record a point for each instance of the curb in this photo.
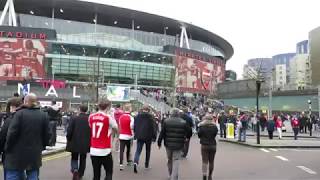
(269, 146)
(55, 151)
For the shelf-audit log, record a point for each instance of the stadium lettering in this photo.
(25, 89)
(9, 34)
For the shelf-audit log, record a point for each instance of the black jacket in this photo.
(188, 119)
(270, 125)
(78, 134)
(175, 131)
(4, 131)
(26, 138)
(145, 127)
(207, 133)
(54, 113)
(222, 120)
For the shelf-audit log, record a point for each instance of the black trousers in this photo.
(106, 162)
(208, 153)
(295, 131)
(80, 166)
(125, 144)
(186, 148)
(270, 134)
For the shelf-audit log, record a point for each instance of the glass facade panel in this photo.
(81, 32)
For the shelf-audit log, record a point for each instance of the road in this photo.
(232, 162)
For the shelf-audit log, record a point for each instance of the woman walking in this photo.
(207, 134)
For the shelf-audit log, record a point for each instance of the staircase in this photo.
(153, 103)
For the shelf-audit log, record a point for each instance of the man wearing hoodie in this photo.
(145, 133)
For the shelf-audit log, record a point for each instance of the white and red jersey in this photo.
(101, 125)
(126, 123)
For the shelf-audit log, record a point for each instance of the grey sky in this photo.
(255, 28)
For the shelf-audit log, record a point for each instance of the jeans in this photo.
(22, 175)
(173, 163)
(53, 133)
(223, 130)
(77, 166)
(106, 162)
(139, 150)
(125, 144)
(242, 134)
(208, 153)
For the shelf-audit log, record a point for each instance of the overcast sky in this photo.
(255, 28)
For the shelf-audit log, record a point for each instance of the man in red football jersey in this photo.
(126, 123)
(102, 125)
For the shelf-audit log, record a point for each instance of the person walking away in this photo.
(207, 134)
(102, 125)
(244, 126)
(303, 123)
(175, 132)
(126, 124)
(27, 137)
(117, 114)
(54, 115)
(14, 104)
(78, 142)
(222, 120)
(185, 116)
(145, 133)
(295, 127)
(279, 124)
(238, 129)
(263, 121)
(270, 128)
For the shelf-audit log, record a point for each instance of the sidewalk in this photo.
(59, 147)
(285, 142)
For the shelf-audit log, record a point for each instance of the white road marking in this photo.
(274, 150)
(282, 158)
(307, 170)
(264, 150)
(301, 150)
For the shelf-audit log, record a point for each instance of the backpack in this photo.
(295, 122)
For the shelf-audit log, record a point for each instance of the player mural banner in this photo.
(22, 58)
(195, 74)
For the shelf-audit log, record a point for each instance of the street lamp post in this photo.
(258, 85)
(52, 68)
(98, 75)
(310, 111)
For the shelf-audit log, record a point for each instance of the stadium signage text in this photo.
(20, 34)
(51, 91)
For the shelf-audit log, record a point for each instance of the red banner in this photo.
(22, 58)
(196, 76)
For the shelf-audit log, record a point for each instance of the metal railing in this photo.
(158, 106)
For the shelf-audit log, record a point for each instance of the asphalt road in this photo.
(232, 162)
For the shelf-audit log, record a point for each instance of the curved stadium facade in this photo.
(71, 41)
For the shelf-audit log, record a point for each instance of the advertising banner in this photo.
(198, 75)
(22, 58)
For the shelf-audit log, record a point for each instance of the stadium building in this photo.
(68, 42)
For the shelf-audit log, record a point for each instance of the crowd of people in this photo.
(28, 129)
